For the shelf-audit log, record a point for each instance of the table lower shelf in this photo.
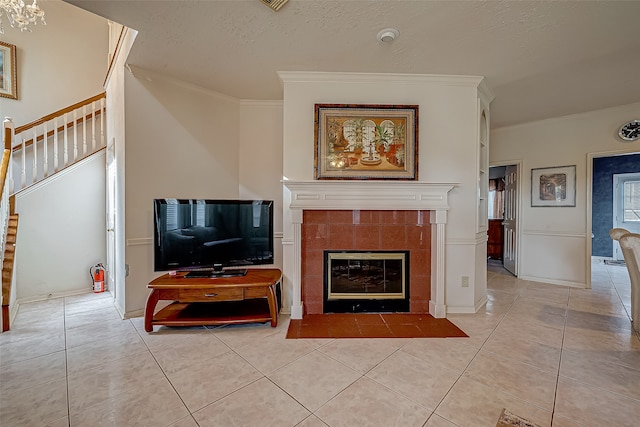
(213, 313)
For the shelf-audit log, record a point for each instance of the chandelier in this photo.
(21, 15)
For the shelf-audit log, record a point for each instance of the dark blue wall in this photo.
(602, 200)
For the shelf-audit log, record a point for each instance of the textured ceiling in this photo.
(540, 58)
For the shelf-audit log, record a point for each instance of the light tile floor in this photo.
(557, 356)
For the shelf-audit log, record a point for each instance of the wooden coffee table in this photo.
(214, 300)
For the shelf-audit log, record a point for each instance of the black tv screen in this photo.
(201, 234)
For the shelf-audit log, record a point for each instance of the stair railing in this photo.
(58, 140)
(6, 209)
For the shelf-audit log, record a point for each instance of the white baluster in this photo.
(84, 130)
(55, 145)
(65, 149)
(102, 123)
(34, 178)
(75, 135)
(23, 174)
(93, 126)
(45, 152)
(10, 176)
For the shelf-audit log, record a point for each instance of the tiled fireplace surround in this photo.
(365, 231)
(367, 215)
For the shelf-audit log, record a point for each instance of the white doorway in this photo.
(601, 167)
(504, 206)
(510, 258)
(626, 206)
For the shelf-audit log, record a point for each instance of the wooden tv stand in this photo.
(214, 300)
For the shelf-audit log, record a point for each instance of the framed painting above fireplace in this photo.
(361, 141)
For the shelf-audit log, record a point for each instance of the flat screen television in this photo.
(212, 237)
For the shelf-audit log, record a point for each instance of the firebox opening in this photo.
(366, 281)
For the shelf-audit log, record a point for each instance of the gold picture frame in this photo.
(8, 73)
(554, 186)
(362, 141)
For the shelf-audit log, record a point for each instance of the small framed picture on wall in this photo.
(553, 186)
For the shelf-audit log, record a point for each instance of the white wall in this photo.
(59, 64)
(61, 231)
(181, 142)
(555, 242)
(448, 138)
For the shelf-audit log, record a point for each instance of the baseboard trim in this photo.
(568, 283)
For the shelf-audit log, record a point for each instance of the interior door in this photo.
(510, 213)
(111, 215)
(626, 206)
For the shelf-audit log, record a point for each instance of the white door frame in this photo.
(111, 203)
(589, 229)
(518, 165)
(620, 178)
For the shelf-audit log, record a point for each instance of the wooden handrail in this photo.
(4, 169)
(59, 113)
(29, 142)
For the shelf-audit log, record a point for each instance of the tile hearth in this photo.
(553, 355)
(372, 325)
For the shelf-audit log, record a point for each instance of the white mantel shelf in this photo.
(375, 195)
(371, 195)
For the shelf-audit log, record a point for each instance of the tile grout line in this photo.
(66, 359)
(564, 331)
(476, 354)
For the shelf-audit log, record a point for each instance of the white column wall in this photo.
(115, 88)
(448, 126)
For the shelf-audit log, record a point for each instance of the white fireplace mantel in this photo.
(369, 195)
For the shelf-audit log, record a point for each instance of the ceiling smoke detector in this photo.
(388, 35)
(274, 4)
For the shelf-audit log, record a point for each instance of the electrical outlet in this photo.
(465, 281)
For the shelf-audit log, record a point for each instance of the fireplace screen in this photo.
(366, 275)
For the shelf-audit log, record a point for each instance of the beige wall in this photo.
(58, 64)
(181, 142)
(555, 242)
(61, 232)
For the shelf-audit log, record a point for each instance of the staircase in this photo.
(7, 268)
(34, 152)
(56, 141)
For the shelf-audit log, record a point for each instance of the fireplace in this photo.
(357, 216)
(357, 281)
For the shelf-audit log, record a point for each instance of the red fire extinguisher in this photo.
(97, 277)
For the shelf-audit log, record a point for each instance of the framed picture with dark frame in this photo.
(553, 186)
(361, 141)
(8, 73)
